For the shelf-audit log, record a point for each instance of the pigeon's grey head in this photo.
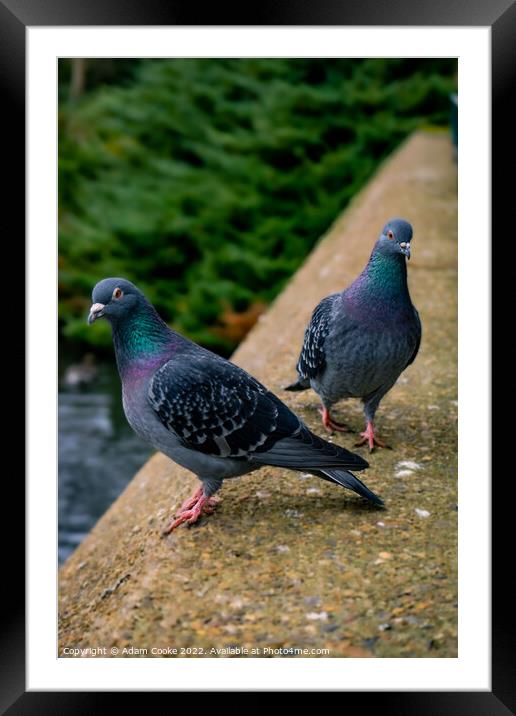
(114, 298)
(396, 237)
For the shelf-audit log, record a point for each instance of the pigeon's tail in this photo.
(307, 452)
(346, 479)
(300, 384)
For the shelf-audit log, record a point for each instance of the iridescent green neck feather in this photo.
(381, 290)
(387, 274)
(141, 337)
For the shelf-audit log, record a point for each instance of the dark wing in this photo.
(418, 339)
(312, 358)
(217, 408)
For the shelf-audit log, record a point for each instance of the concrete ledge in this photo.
(287, 561)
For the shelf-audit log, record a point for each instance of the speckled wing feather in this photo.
(312, 358)
(217, 408)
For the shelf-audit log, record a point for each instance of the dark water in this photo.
(98, 454)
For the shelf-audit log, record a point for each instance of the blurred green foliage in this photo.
(207, 182)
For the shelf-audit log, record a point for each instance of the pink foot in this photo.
(192, 509)
(331, 424)
(369, 437)
(191, 501)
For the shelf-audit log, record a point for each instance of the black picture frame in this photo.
(500, 16)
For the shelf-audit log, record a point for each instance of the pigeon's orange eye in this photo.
(117, 293)
(390, 235)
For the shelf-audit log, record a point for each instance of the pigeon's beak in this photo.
(96, 311)
(405, 248)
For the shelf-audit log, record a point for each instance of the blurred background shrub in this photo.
(207, 181)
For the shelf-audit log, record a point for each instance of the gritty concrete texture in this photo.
(289, 560)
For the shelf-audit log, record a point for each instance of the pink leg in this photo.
(192, 509)
(369, 437)
(331, 424)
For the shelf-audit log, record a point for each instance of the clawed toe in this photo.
(369, 437)
(189, 516)
(190, 502)
(192, 509)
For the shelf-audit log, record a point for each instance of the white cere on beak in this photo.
(95, 311)
(405, 247)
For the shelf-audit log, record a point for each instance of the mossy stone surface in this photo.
(289, 560)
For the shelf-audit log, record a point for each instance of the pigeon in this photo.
(204, 412)
(360, 340)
